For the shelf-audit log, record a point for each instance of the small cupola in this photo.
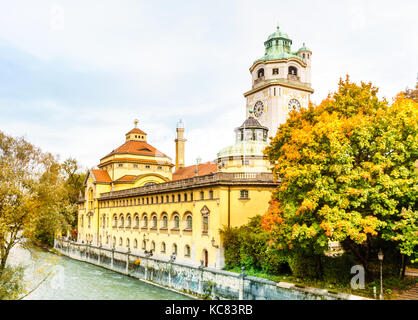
(136, 134)
(251, 130)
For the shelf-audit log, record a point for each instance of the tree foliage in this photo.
(34, 203)
(347, 168)
(248, 246)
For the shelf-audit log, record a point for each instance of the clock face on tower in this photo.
(293, 105)
(258, 109)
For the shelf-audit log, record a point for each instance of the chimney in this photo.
(180, 142)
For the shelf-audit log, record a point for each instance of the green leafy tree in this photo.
(347, 168)
(33, 201)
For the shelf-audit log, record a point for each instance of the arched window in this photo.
(89, 221)
(163, 247)
(153, 246)
(144, 245)
(205, 224)
(135, 243)
(120, 241)
(260, 73)
(128, 243)
(122, 221)
(145, 221)
(175, 249)
(114, 241)
(187, 251)
(82, 221)
(165, 222)
(115, 221)
(154, 221)
(128, 221)
(293, 71)
(176, 222)
(136, 221)
(189, 222)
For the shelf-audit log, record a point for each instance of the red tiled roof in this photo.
(101, 175)
(135, 160)
(126, 178)
(189, 172)
(136, 130)
(136, 147)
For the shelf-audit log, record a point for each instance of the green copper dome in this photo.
(278, 46)
(247, 148)
(278, 34)
(304, 48)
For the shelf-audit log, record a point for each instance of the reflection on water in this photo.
(72, 279)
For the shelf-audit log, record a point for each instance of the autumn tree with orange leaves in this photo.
(348, 173)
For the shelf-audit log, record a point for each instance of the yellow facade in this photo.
(146, 208)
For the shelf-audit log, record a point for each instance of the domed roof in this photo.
(278, 47)
(278, 34)
(247, 148)
(252, 122)
(304, 48)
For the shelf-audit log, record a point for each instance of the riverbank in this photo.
(200, 282)
(75, 280)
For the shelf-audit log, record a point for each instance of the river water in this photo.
(74, 280)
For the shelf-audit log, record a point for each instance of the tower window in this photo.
(276, 71)
(293, 71)
(135, 166)
(120, 165)
(260, 73)
(147, 167)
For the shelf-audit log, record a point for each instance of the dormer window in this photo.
(260, 73)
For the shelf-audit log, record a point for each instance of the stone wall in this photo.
(200, 282)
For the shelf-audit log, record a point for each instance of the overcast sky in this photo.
(75, 74)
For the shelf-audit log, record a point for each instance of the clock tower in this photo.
(281, 82)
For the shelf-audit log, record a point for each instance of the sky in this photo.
(74, 75)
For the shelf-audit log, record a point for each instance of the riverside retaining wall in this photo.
(201, 282)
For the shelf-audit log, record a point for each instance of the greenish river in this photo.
(73, 280)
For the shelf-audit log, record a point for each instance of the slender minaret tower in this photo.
(180, 141)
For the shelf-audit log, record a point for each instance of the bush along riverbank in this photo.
(248, 247)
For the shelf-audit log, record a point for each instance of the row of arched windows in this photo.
(291, 70)
(134, 245)
(154, 222)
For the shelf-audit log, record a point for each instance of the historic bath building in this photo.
(138, 200)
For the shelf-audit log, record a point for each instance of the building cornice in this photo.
(280, 82)
(215, 179)
(256, 63)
